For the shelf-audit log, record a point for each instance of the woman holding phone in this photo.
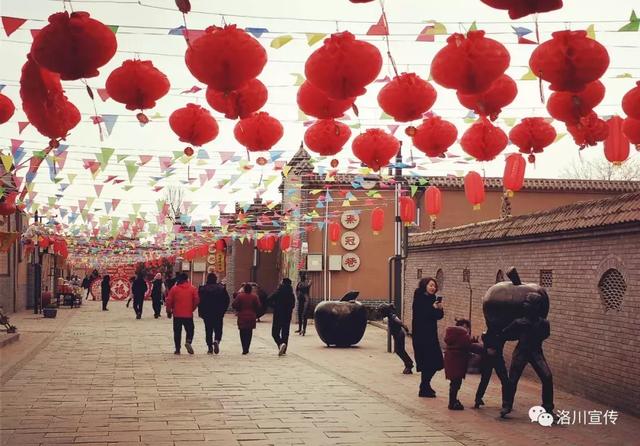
(427, 311)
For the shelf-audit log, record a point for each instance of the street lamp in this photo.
(37, 280)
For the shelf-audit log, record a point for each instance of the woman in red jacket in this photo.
(181, 302)
(247, 306)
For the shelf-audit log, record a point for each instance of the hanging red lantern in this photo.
(483, 140)
(616, 146)
(258, 132)
(489, 103)
(343, 66)
(521, 8)
(407, 97)
(569, 61)
(631, 129)
(137, 84)
(6, 108)
(433, 202)
(569, 107)
(474, 189)
(589, 130)
(513, 177)
(377, 220)
(285, 242)
(631, 102)
(225, 58)
(74, 45)
(334, 232)
(407, 210)
(8, 205)
(532, 135)
(375, 148)
(327, 137)
(239, 103)
(315, 102)
(434, 136)
(469, 64)
(269, 243)
(221, 245)
(44, 102)
(194, 125)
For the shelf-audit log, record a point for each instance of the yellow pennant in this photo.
(281, 41)
(313, 38)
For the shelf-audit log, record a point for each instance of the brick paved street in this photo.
(103, 378)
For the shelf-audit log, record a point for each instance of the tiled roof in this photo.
(618, 210)
(491, 183)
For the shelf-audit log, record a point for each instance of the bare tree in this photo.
(601, 169)
(174, 196)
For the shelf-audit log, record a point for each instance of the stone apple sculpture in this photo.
(341, 323)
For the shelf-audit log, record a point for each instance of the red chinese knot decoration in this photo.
(483, 140)
(616, 146)
(469, 64)
(327, 136)
(74, 45)
(258, 132)
(194, 125)
(434, 136)
(532, 135)
(377, 220)
(489, 103)
(407, 97)
(375, 148)
(343, 66)
(474, 189)
(239, 103)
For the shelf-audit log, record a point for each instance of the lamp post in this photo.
(35, 261)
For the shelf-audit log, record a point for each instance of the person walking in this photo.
(139, 289)
(157, 290)
(247, 306)
(86, 284)
(427, 311)
(105, 288)
(303, 295)
(181, 302)
(283, 301)
(214, 301)
(398, 331)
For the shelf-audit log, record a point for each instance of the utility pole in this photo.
(37, 284)
(396, 261)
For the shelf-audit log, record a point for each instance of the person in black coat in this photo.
(492, 357)
(303, 294)
(427, 311)
(398, 331)
(214, 301)
(105, 288)
(138, 289)
(156, 295)
(283, 301)
(86, 284)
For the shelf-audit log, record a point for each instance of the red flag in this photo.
(526, 41)
(104, 95)
(11, 24)
(379, 29)
(22, 126)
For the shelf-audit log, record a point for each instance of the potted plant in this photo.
(50, 311)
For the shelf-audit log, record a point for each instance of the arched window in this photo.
(612, 288)
(440, 279)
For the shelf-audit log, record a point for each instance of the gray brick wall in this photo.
(591, 352)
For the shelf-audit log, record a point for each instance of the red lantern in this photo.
(343, 66)
(285, 242)
(44, 102)
(631, 129)
(483, 140)
(569, 107)
(334, 232)
(469, 64)
(407, 97)
(407, 210)
(434, 136)
(521, 8)
(74, 46)
(269, 243)
(315, 102)
(375, 148)
(137, 84)
(221, 245)
(433, 202)
(513, 177)
(327, 137)
(532, 135)
(194, 125)
(8, 206)
(569, 61)
(239, 103)
(225, 58)
(501, 93)
(6, 108)
(258, 132)
(377, 220)
(631, 102)
(589, 130)
(616, 146)
(474, 189)
(188, 151)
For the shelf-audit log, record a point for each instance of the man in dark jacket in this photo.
(214, 301)
(283, 301)
(138, 289)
